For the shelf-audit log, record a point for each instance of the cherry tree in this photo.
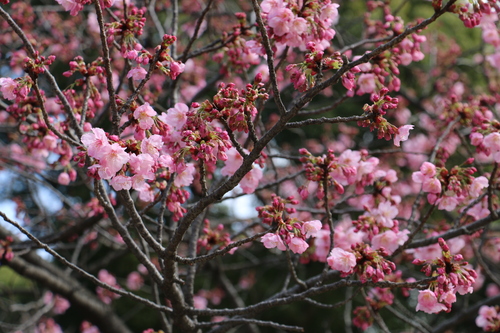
(250, 166)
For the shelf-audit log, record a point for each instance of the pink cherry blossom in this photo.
(279, 20)
(120, 182)
(311, 228)
(251, 180)
(144, 114)
(152, 145)
(71, 5)
(477, 185)
(341, 260)
(176, 116)
(233, 162)
(176, 68)
(402, 135)
(492, 142)
(95, 142)
(428, 302)
(271, 241)
(185, 175)
(448, 203)
(432, 185)
(142, 165)
(298, 245)
(385, 213)
(113, 158)
(366, 83)
(390, 240)
(485, 314)
(476, 138)
(8, 87)
(134, 281)
(137, 73)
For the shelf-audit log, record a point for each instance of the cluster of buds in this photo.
(274, 213)
(381, 103)
(377, 298)
(369, 264)
(303, 75)
(470, 11)
(165, 62)
(235, 107)
(127, 28)
(290, 231)
(6, 253)
(452, 276)
(78, 65)
(238, 54)
(329, 167)
(212, 237)
(36, 66)
(449, 188)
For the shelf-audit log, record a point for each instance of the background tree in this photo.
(249, 166)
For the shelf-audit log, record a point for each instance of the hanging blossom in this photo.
(291, 232)
(489, 318)
(452, 276)
(361, 259)
(449, 189)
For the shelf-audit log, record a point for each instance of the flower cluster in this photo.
(452, 276)
(381, 103)
(290, 231)
(236, 107)
(294, 26)
(448, 189)
(212, 237)
(489, 318)
(15, 89)
(337, 171)
(104, 294)
(127, 29)
(303, 75)
(5, 250)
(369, 264)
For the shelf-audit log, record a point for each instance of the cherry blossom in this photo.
(341, 260)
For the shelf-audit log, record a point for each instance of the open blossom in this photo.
(298, 245)
(233, 162)
(487, 317)
(428, 302)
(385, 213)
(271, 241)
(144, 115)
(185, 175)
(402, 135)
(120, 182)
(311, 228)
(176, 116)
(8, 87)
(477, 185)
(95, 142)
(251, 180)
(390, 240)
(73, 6)
(137, 73)
(113, 158)
(367, 84)
(432, 185)
(341, 260)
